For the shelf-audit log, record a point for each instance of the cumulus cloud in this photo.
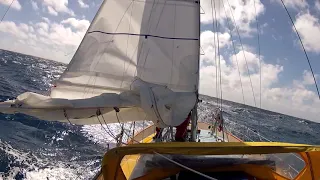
(82, 4)
(52, 11)
(308, 25)
(43, 25)
(78, 24)
(243, 12)
(15, 5)
(317, 5)
(57, 6)
(18, 30)
(234, 76)
(294, 4)
(62, 37)
(46, 19)
(230, 67)
(34, 5)
(208, 45)
(308, 78)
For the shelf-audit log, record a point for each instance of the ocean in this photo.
(35, 149)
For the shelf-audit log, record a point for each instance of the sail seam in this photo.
(146, 35)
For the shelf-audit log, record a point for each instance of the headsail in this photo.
(153, 43)
(155, 40)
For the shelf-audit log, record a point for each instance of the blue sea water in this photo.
(35, 149)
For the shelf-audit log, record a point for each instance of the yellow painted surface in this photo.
(129, 161)
(112, 159)
(149, 138)
(129, 155)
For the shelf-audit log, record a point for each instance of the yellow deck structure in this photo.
(112, 168)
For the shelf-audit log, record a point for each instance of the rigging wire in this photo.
(234, 51)
(214, 27)
(215, 52)
(244, 55)
(259, 56)
(218, 51)
(259, 50)
(304, 50)
(7, 10)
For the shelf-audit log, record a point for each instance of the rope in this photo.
(304, 50)
(108, 132)
(119, 137)
(66, 116)
(244, 55)
(185, 167)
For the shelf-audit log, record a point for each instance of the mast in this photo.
(194, 114)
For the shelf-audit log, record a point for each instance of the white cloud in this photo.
(56, 6)
(15, 5)
(294, 4)
(229, 71)
(207, 45)
(308, 78)
(82, 4)
(58, 41)
(78, 24)
(293, 99)
(19, 30)
(243, 12)
(46, 19)
(317, 5)
(34, 5)
(308, 26)
(52, 11)
(43, 25)
(246, 60)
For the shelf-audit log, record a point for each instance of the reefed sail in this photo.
(139, 56)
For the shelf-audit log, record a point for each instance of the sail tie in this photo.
(66, 116)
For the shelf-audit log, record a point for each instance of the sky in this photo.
(53, 29)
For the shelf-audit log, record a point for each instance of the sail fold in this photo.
(145, 101)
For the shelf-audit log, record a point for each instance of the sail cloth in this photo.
(145, 101)
(153, 41)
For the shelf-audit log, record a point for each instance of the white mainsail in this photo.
(140, 56)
